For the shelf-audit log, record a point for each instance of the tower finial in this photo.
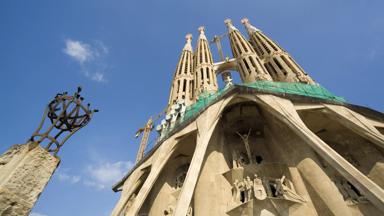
(188, 44)
(250, 28)
(229, 24)
(202, 34)
(188, 37)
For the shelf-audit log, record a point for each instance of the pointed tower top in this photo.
(229, 24)
(250, 28)
(188, 44)
(202, 34)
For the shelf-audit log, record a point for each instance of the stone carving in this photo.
(181, 175)
(238, 191)
(351, 160)
(245, 139)
(244, 191)
(258, 188)
(282, 190)
(180, 179)
(248, 188)
(350, 194)
(239, 159)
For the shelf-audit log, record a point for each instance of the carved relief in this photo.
(244, 191)
(350, 194)
(170, 209)
(258, 188)
(285, 189)
(181, 173)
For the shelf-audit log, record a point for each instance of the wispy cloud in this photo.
(36, 214)
(90, 57)
(106, 174)
(98, 176)
(73, 179)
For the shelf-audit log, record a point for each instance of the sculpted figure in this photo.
(235, 191)
(242, 160)
(248, 188)
(235, 158)
(282, 190)
(258, 188)
(239, 188)
(351, 193)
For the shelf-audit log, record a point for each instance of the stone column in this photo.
(280, 154)
(24, 172)
(129, 187)
(310, 181)
(206, 124)
(164, 153)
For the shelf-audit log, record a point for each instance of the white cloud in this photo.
(73, 179)
(91, 58)
(105, 175)
(99, 176)
(36, 214)
(79, 51)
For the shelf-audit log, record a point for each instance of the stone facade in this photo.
(257, 151)
(24, 172)
(259, 154)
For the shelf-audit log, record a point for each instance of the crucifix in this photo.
(245, 138)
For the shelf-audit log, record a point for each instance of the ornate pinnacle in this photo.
(66, 115)
(188, 45)
(188, 37)
(201, 29)
(250, 28)
(229, 24)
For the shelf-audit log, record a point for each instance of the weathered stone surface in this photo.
(11, 204)
(24, 177)
(283, 145)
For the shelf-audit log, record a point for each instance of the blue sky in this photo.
(124, 53)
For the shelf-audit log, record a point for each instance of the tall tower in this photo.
(278, 62)
(205, 77)
(248, 63)
(261, 148)
(182, 86)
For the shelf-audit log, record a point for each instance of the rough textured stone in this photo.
(26, 172)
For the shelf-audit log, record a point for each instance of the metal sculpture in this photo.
(66, 115)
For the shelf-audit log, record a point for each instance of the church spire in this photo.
(182, 86)
(248, 63)
(277, 61)
(204, 76)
